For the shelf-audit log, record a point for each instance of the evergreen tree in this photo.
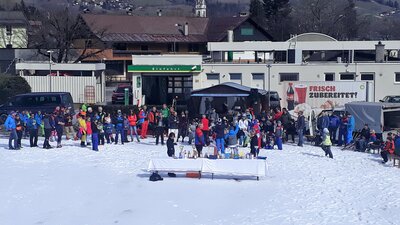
(277, 15)
(257, 11)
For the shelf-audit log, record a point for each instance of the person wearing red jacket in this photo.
(278, 114)
(132, 118)
(205, 129)
(388, 149)
(199, 139)
(88, 131)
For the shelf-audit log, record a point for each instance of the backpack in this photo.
(155, 177)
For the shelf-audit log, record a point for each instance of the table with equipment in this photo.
(228, 167)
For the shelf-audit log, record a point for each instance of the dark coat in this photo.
(170, 147)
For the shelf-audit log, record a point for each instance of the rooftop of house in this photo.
(125, 28)
(12, 18)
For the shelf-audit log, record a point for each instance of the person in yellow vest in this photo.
(327, 143)
(82, 130)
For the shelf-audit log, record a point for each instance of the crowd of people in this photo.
(236, 129)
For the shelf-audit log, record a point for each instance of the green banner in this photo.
(164, 68)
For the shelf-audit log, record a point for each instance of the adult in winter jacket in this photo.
(159, 130)
(19, 127)
(199, 139)
(253, 144)
(33, 131)
(48, 124)
(132, 118)
(165, 116)
(11, 127)
(342, 130)
(173, 122)
(68, 127)
(396, 145)
(95, 134)
(39, 121)
(350, 128)
(205, 129)
(220, 136)
(82, 129)
(301, 124)
(183, 126)
(119, 127)
(59, 125)
(243, 129)
(334, 123)
(278, 134)
(231, 136)
(388, 149)
(152, 119)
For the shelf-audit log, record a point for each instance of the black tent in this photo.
(224, 97)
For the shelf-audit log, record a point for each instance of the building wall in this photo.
(18, 39)
(384, 75)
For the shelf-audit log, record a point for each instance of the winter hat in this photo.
(279, 122)
(326, 131)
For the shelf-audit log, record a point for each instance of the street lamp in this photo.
(50, 60)
(269, 86)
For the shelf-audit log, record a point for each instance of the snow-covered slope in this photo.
(75, 186)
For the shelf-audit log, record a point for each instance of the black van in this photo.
(37, 101)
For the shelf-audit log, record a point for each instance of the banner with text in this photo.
(325, 95)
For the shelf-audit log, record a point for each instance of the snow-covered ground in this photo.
(75, 186)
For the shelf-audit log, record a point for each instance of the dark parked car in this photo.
(37, 101)
(118, 96)
(391, 99)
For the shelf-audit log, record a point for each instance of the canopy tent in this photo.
(228, 89)
(224, 97)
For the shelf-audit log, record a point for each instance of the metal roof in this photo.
(125, 28)
(12, 18)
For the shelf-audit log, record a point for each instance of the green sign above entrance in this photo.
(164, 68)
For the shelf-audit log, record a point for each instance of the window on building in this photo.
(367, 76)
(248, 31)
(258, 76)
(329, 76)
(193, 47)
(144, 47)
(235, 76)
(212, 76)
(288, 77)
(120, 46)
(397, 77)
(171, 47)
(8, 30)
(347, 76)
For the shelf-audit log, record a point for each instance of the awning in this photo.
(219, 95)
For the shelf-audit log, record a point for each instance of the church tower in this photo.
(201, 8)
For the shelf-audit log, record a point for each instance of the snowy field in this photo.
(75, 186)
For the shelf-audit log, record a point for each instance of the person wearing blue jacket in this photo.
(334, 123)
(231, 136)
(397, 145)
(325, 121)
(119, 127)
(350, 128)
(39, 122)
(33, 131)
(11, 126)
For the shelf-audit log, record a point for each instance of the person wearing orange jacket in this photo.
(205, 130)
(388, 149)
(132, 118)
(143, 131)
(152, 120)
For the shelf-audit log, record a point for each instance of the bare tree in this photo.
(66, 33)
(335, 18)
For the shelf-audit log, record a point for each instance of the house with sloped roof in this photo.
(13, 30)
(123, 35)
